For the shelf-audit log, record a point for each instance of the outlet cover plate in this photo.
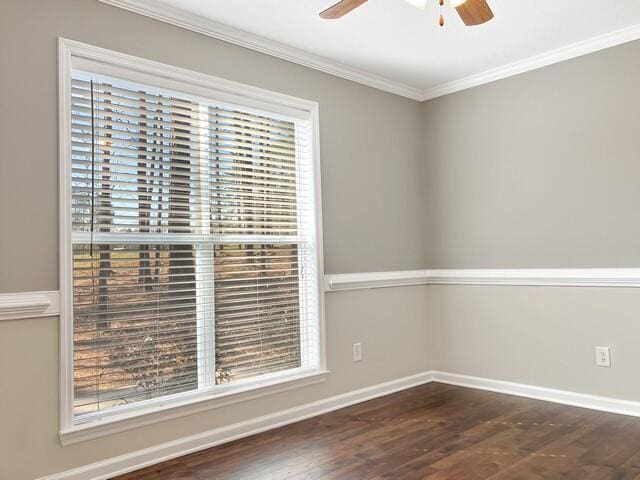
(357, 352)
(603, 357)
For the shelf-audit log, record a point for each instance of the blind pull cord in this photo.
(93, 171)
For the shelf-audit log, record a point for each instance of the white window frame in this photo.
(75, 55)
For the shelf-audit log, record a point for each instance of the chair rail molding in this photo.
(551, 277)
(355, 281)
(14, 306)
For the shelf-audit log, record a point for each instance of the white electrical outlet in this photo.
(357, 352)
(603, 356)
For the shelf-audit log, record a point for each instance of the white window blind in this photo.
(193, 245)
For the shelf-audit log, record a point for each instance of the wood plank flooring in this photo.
(432, 432)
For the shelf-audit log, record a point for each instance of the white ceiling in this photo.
(395, 41)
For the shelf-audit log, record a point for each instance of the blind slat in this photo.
(160, 318)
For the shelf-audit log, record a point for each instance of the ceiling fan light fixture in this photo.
(421, 4)
(471, 12)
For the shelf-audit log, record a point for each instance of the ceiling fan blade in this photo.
(341, 8)
(473, 12)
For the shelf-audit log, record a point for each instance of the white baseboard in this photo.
(150, 456)
(593, 402)
(153, 455)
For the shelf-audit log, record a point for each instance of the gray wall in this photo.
(544, 336)
(371, 222)
(362, 129)
(29, 446)
(537, 170)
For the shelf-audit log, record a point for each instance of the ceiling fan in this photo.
(472, 12)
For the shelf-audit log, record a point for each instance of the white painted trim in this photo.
(211, 28)
(14, 306)
(189, 21)
(561, 54)
(77, 55)
(65, 416)
(551, 277)
(129, 462)
(44, 304)
(74, 54)
(187, 404)
(150, 456)
(319, 235)
(355, 281)
(593, 402)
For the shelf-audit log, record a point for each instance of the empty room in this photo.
(319, 239)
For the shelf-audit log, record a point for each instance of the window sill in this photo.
(199, 402)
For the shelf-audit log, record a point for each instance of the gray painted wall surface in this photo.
(29, 443)
(544, 336)
(362, 130)
(537, 170)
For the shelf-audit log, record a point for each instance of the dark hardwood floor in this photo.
(431, 432)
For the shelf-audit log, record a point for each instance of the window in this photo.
(192, 253)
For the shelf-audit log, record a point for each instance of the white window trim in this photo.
(72, 54)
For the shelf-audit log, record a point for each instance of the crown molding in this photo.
(189, 21)
(558, 55)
